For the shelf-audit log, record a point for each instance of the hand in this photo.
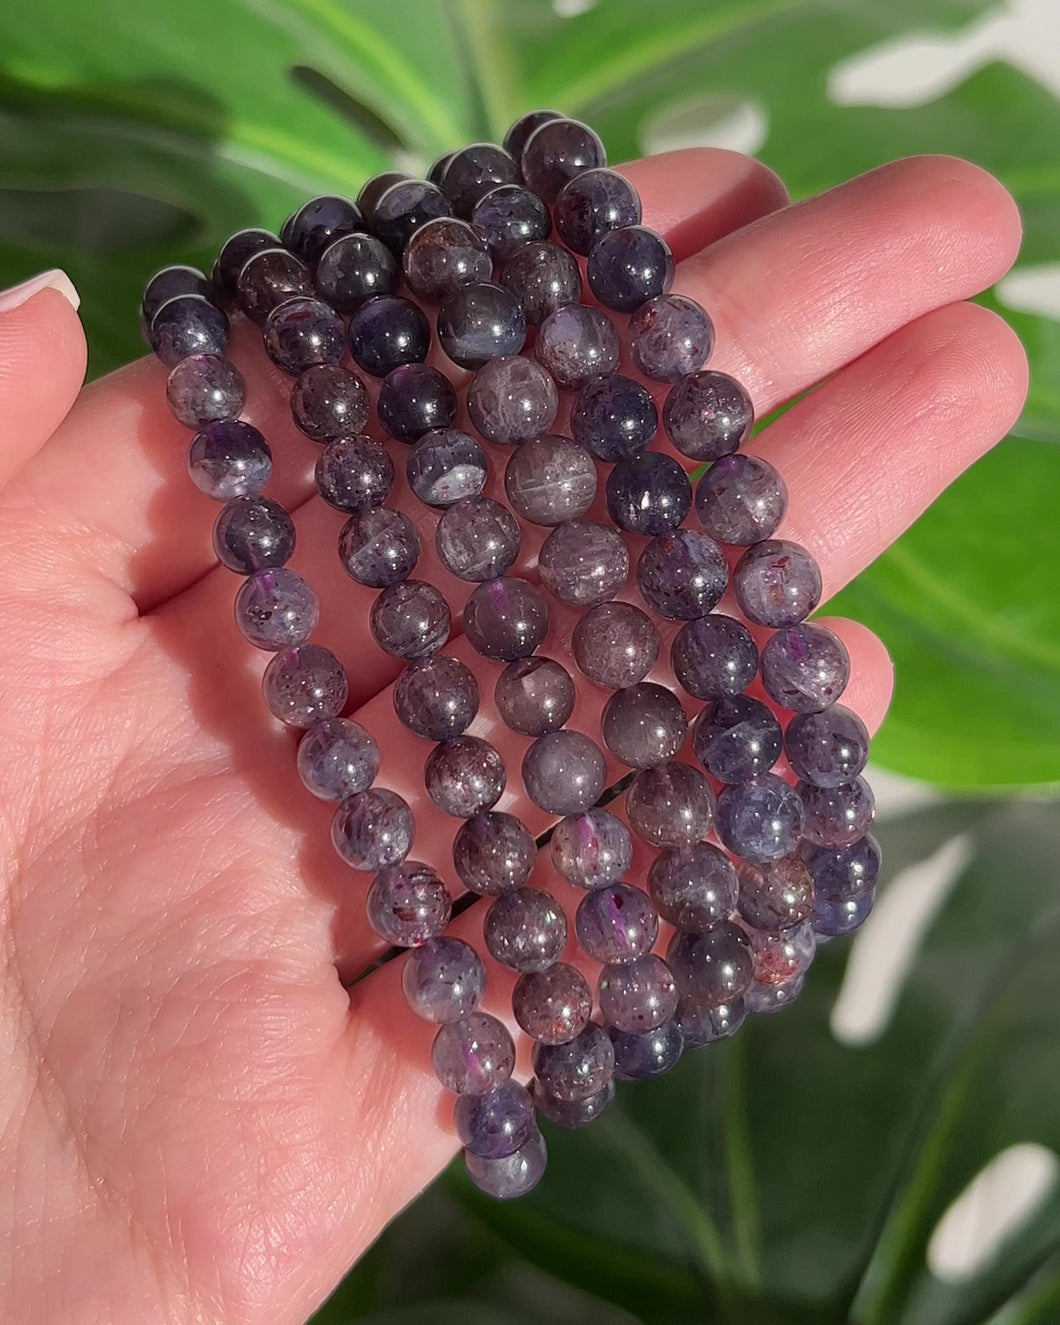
(199, 1123)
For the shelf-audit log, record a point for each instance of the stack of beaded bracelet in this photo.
(791, 865)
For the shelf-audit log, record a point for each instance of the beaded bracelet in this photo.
(790, 866)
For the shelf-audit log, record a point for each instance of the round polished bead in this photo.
(614, 417)
(268, 278)
(406, 207)
(473, 171)
(644, 724)
(844, 871)
(337, 758)
(591, 850)
(711, 969)
(628, 266)
(373, 829)
(354, 268)
(442, 257)
(702, 1025)
(524, 126)
(408, 904)
(275, 608)
(319, 222)
(578, 1068)
(525, 929)
(233, 257)
(379, 547)
(714, 655)
(832, 918)
(473, 1055)
(204, 389)
(534, 695)
(616, 923)
(577, 344)
(542, 277)
(761, 819)
(410, 620)
(443, 979)
(805, 667)
(437, 169)
(670, 805)
(766, 998)
(571, 1114)
(328, 402)
(302, 333)
(615, 645)
(512, 399)
(648, 494)
(229, 460)
(303, 684)
(446, 466)
(593, 203)
(553, 1005)
(707, 415)
(827, 748)
(373, 189)
(493, 853)
(512, 1176)
(479, 323)
(415, 399)
(669, 337)
(583, 562)
(506, 619)
(564, 772)
(641, 1056)
(736, 738)
(477, 539)
(436, 697)
(464, 775)
(176, 281)
(387, 331)
(497, 1123)
(354, 473)
(837, 816)
(781, 955)
(682, 575)
(740, 500)
(188, 324)
(637, 995)
(776, 894)
(550, 480)
(252, 533)
(693, 887)
(555, 152)
(509, 216)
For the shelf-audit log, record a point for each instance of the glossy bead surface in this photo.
(593, 203)
(513, 1175)
(639, 1057)
(506, 618)
(669, 337)
(473, 171)
(637, 995)
(542, 277)
(834, 917)
(614, 417)
(682, 575)
(644, 724)
(707, 415)
(805, 667)
(386, 332)
(525, 929)
(373, 829)
(301, 333)
(714, 655)
(508, 217)
(736, 738)
(233, 257)
(436, 697)
(410, 620)
(319, 222)
(837, 816)
(175, 281)
(702, 1025)
(776, 583)
(777, 894)
(693, 887)
(627, 267)
(591, 850)
(373, 189)
(714, 968)
(408, 904)
(572, 1114)
(564, 772)
(229, 460)
(337, 758)
(534, 695)
(269, 277)
(477, 539)
(512, 399)
(464, 775)
(844, 871)
(740, 500)
(304, 684)
(766, 998)
(479, 323)
(615, 645)
(354, 268)
(493, 853)
(583, 562)
(328, 402)
(443, 979)
(781, 955)
(761, 819)
(415, 399)
(670, 805)
(406, 207)
(204, 389)
(524, 126)
(188, 324)
(616, 923)
(578, 1068)
(252, 533)
(827, 748)
(275, 608)
(577, 343)
(553, 1005)
(446, 466)
(442, 257)
(379, 547)
(497, 1123)
(555, 152)
(648, 494)
(473, 1055)
(550, 479)
(354, 473)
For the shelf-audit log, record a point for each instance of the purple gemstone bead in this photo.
(379, 547)
(415, 399)
(204, 389)
(406, 207)
(670, 337)
(512, 400)
(477, 539)
(436, 697)
(773, 998)
(275, 608)
(714, 655)
(352, 269)
(693, 887)
(408, 904)
(761, 819)
(442, 257)
(649, 494)
(386, 332)
(493, 853)
(645, 724)
(781, 955)
(736, 738)
(805, 668)
(479, 323)
(497, 1123)
(229, 460)
(473, 172)
(843, 872)
(740, 500)
(835, 917)
(268, 278)
(319, 222)
(707, 415)
(670, 805)
(337, 758)
(576, 344)
(614, 417)
(682, 575)
(304, 684)
(525, 929)
(639, 1057)
(188, 324)
(446, 466)
(704, 1025)
(553, 1005)
(235, 252)
(373, 189)
(354, 473)
(777, 894)
(506, 619)
(592, 204)
(591, 850)
(542, 277)
(328, 402)
(550, 480)
(302, 333)
(512, 1176)
(837, 816)
(629, 266)
(174, 282)
(564, 772)
(776, 583)
(583, 562)
(508, 217)
(524, 126)
(464, 775)
(711, 969)
(410, 620)
(571, 1114)
(555, 152)
(373, 829)
(473, 1055)
(616, 923)
(827, 748)
(252, 533)
(443, 979)
(615, 645)
(578, 1068)
(637, 995)
(534, 695)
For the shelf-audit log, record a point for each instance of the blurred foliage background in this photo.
(783, 1178)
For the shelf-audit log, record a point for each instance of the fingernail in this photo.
(47, 280)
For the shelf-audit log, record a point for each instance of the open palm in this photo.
(200, 1122)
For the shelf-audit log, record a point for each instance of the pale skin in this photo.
(199, 1122)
